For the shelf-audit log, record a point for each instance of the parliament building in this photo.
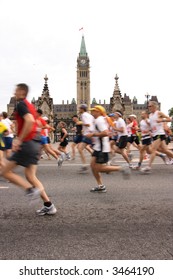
(65, 111)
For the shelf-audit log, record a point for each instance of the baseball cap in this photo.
(134, 116)
(83, 106)
(111, 115)
(99, 108)
(45, 118)
(118, 113)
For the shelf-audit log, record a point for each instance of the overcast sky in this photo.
(132, 38)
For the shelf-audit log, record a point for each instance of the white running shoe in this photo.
(99, 189)
(33, 193)
(135, 167)
(60, 161)
(63, 155)
(47, 210)
(145, 170)
(68, 157)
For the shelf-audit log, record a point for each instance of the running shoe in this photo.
(83, 169)
(68, 157)
(33, 193)
(167, 160)
(63, 156)
(101, 189)
(47, 210)
(60, 161)
(145, 170)
(126, 172)
(164, 158)
(136, 167)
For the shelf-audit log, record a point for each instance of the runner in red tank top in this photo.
(26, 150)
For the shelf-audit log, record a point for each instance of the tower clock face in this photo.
(83, 61)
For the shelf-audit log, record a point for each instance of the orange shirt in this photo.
(133, 127)
(41, 123)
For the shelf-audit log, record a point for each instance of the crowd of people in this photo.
(102, 135)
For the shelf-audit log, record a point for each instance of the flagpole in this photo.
(81, 29)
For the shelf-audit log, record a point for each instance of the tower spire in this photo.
(83, 51)
(116, 101)
(116, 83)
(45, 88)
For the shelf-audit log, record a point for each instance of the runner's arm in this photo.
(163, 118)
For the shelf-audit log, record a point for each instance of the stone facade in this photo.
(65, 111)
(45, 102)
(11, 106)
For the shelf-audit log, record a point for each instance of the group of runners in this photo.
(100, 134)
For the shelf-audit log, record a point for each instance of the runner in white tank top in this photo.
(156, 121)
(120, 145)
(156, 128)
(145, 128)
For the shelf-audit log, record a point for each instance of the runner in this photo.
(3, 131)
(87, 127)
(78, 137)
(113, 136)
(8, 139)
(121, 143)
(129, 125)
(42, 125)
(63, 140)
(135, 137)
(146, 146)
(157, 118)
(48, 130)
(168, 133)
(101, 149)
(26, 150)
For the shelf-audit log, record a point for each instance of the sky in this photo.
(130, 38)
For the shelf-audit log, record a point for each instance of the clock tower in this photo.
(83, 77)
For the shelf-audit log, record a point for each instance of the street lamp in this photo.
(55, 123)
(147, 97)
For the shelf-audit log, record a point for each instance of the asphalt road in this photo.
(133, 220)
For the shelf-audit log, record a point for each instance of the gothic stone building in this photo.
(65, 111)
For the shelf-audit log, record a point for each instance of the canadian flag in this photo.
(81, 29)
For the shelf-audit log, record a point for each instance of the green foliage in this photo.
(170, 112)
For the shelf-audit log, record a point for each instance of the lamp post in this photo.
(55, 123)
(147, 97)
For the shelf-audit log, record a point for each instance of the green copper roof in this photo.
(83, 48)
(94, 101)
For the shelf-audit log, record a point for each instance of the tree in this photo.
(170, 112)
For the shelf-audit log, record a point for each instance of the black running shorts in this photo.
(122, 143)
(105, 157)
(28, 154)
(162, 137)
(146, 141)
